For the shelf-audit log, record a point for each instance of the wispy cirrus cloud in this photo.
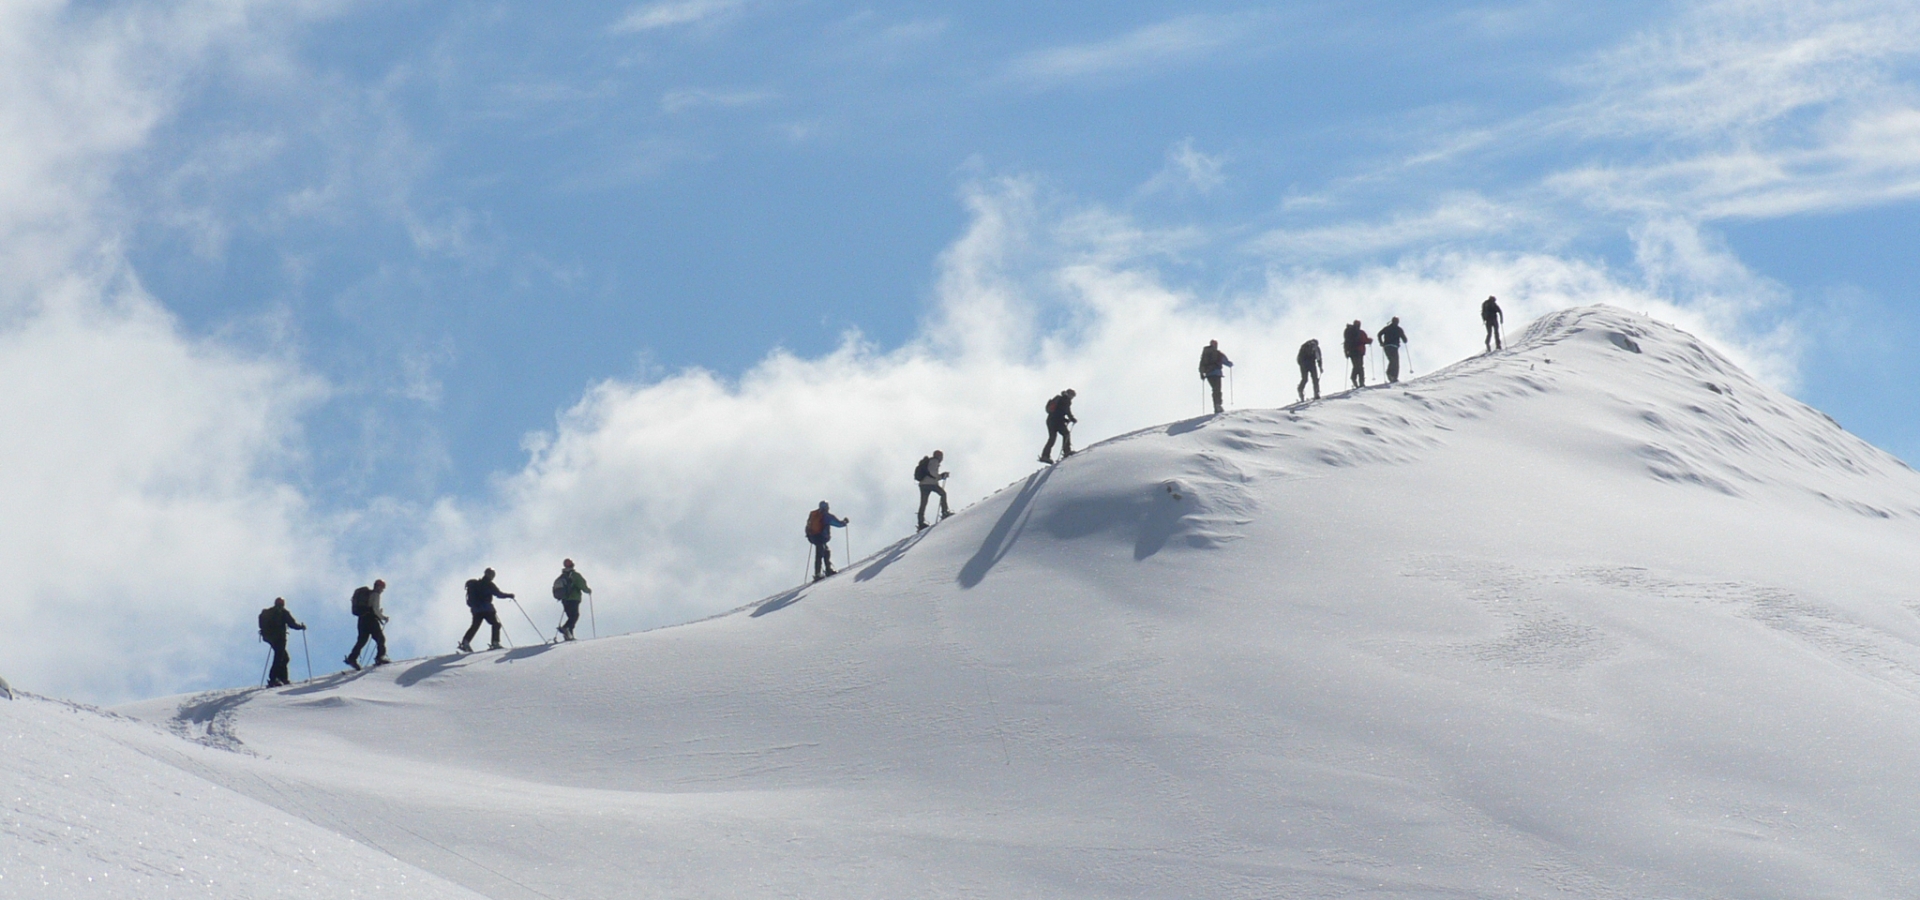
(1173, 42)
(672, 13)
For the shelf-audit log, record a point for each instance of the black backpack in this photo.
(263, 621)
(920, 471)
(360, 598)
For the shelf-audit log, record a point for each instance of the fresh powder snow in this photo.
(1598, 616)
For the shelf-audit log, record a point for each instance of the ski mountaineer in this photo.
(567, 589)
(1355, 341)
(1059, 416)
(928, 475)
(274, 622)
(1391, 337)
(1310, 368)
(1213, 364)
(366, 610)
(1491, 316)
(820, 525)
(480, 594)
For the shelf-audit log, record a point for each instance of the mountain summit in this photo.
(1595, 616)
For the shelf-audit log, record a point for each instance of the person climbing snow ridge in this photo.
(1391, 337)
(1310, 368)
(1059, 416)
(928, 475)
(820, 525)
(1355, 341)
(568, 589)
(1213, 364)
(274, 622)
(480, 594)
(370, 618)
(1492, 317)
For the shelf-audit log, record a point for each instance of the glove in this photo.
(943, 475)
(383, 620)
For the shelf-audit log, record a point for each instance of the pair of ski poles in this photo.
(1205, 399)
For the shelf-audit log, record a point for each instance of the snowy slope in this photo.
(97, 806)
(1598, 616)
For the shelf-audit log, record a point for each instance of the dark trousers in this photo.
(1359, 376)
(1493, 335)
(483, 615)
(822, 555)
(572, 608)
(281, 658)
(1214, 380)
(1393, 361)
(370, 629)
(1057, 430)
(1308, 372)
(928, 490)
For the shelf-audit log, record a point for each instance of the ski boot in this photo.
(353, 663)
(466, 647)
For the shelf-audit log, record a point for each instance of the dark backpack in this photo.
(816, 523)
(360, 597)
(560, 586)
(1052, 405)
(263, 622)
(920, 471)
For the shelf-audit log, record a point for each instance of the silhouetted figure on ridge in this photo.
(1492, 317)
(1213, 364)
(1310, 368)
(1355, 340)
(1391, 337)
(480, 594)
(371, 620)
(1059, 416)
(274, 622)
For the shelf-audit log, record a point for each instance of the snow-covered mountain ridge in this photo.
(1595, 616)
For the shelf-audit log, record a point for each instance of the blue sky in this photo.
(395, 280)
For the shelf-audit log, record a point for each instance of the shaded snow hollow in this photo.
(1598, 616)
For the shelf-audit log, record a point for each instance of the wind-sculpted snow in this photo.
(1596, 616)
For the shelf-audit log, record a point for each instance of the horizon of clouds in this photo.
(170, 485)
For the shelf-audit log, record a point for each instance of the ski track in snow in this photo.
(1596, 616)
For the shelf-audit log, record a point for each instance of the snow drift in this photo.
(1596, 616)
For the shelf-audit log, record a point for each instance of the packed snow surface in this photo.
(1597, 616)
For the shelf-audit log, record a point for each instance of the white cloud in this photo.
(1188, 169)
(148, 509)
(1176, 41)
(1752, 109)
(671, 13)
(684, 496)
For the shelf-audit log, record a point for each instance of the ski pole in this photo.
(592, 620)
(1229, 385)
(264, 666)
(846, 533)
(306, 653)
(523, 612)
(1408, 350)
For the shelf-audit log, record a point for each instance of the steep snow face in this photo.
(1595, 616)
(98, 807)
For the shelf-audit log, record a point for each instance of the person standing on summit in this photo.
(567, 589)
(928, 475)
(1491, 316)
(820, 525)
(367, 613)
(1213, 364)
(480, 594)
(274, 622)
(1355, 340)
(1391, 337)
(1059, 416)
(1310, 368)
